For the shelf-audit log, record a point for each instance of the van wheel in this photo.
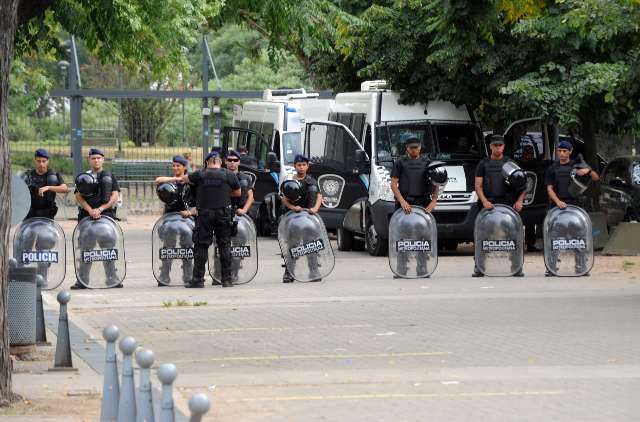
(375, 245)
(344, 239)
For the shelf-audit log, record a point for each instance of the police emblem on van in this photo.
(331, 187)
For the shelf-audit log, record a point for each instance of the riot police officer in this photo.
(410, 185)
(97, 193)
(181, 199)
(558, 179)
(243, 203)
(43, 185)
(215, 186)
(310, 198)
(491, 186)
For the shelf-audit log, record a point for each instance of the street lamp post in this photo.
(64, 65)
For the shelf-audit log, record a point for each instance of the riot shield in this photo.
(244, 253)
(305, 245)
(172, 249)
(98, 242)
(40, 243)
(413, 243)
(568, 242)
(498, 241)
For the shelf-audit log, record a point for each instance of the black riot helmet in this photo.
(291, 189)
(168, 193)
(87, 185)
(514, 176)
(437, 173)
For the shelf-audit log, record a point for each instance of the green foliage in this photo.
(571, 61)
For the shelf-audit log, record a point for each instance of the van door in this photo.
(254, 151)
(341, 166)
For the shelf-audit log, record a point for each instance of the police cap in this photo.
(564, 144)
(41, 152)
(180, 160)
(96, 151)
(299, 158)
(496, 140)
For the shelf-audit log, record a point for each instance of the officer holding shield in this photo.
(310, 199)
(97, 192)
(558, 179)
(243, 203)
(410, 185)
(492, 188)
(215, 186)
(43, 185)
(180, 198)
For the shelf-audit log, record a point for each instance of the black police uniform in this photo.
(310, 191)
(215, 214)
(495, 189)
(412, 180)
(559, 176)
(246, 184)
(416, 189)
(493, 183)
(182, 234)
(107, 184)
(42, 206)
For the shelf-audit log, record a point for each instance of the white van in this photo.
(268, 134)
(378, 124)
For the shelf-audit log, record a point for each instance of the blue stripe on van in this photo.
(365, 181)
(275, 176)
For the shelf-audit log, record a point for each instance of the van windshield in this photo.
(439, 139)
(291, 146)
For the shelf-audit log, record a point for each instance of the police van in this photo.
(267, 133)
(352, 155)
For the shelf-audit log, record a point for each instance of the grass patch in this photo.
(628, 265)
(182, 302)
(200, 303)
(167, 303)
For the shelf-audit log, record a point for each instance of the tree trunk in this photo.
(8, 22)
(590, 155)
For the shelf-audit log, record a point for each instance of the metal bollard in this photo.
(41, 331)
(63, 345)
(111, 386)
(127, 403)
(145, 359)
(198, 405)
(167, 374)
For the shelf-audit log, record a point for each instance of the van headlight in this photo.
(384, 176)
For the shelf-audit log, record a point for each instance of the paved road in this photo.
(361, 346)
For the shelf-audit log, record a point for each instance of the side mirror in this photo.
(361, 157)
(272, 162)
(618, 183)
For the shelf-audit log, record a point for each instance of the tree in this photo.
(571, 62)
(144, 35)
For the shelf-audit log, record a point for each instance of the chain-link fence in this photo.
(139, 137)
